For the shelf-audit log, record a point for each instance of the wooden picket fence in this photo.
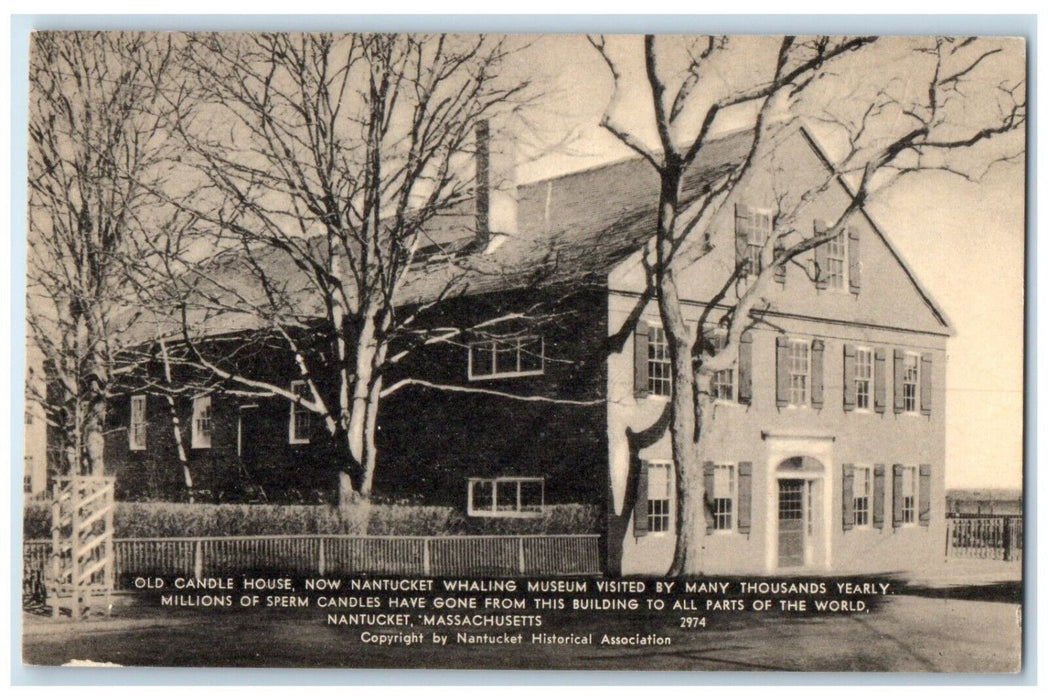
(321, 555)
(985, 537)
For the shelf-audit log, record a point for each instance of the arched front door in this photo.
(799, 481)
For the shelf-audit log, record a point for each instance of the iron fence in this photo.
(985, 537)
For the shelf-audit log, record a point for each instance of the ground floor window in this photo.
(659, 496)
(202, 422)
(506, 496)
(909, 495)
(724, 497)
(861, 496)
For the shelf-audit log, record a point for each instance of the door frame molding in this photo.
(781, 448)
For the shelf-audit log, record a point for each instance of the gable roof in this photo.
(575, 227)
(571, 228)
(934, 307)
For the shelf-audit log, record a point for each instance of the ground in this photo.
(958, 620)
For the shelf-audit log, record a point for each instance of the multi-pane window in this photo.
(836, 252)
(506, 496)
(136, 434)
(724, 385)
(723, 497)
(909, 495)
(301, 420)
(861, 495)
(201, 421)
(758, 230)
(911, 368)
(659, 497)
(27, 478)
(799, 366)
(506, 357)
(863, 377)
(659, 374)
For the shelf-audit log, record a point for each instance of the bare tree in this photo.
(952, 103)
(321, 167)
(95, 143)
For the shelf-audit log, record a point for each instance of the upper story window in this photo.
(724, 385)
(659, 496)
(518, 356)
(300, 422)
(861, 495)
(136, 433)
(911, 368)
(201, 425)
(757, 232)
(723, 497)
(836, 262)
(506, 497)
(799, 371)
(659, 367)
(863, 378)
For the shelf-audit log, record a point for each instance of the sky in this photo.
(963, 240)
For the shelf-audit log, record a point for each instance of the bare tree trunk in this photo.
(355, 414)
(690, 521)
(176, 429)
(176, 424)
(370, 447)
(94, 437)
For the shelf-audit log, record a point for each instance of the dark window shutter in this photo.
(849, 377)
(896, 495)
(746, 368)
(926, 383)
(782, 376)
(854, 261)
(900, 357)
(640, 510)
(640, 360)
(780, 270)
(817, 347)
(879, 380)
(848, 497)
(707, 495)
(821, 280)
(745, 496)
(924, 495)
(743, 219)
(878, 496)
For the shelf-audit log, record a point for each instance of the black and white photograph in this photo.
(524, 351)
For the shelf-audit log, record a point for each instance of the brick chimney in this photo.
(495, 198)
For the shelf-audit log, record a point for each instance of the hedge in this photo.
(135, 520)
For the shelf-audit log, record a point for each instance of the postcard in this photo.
(497, 351)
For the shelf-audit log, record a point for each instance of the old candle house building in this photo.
(827, 444)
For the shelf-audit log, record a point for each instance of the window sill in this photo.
(298, 441)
